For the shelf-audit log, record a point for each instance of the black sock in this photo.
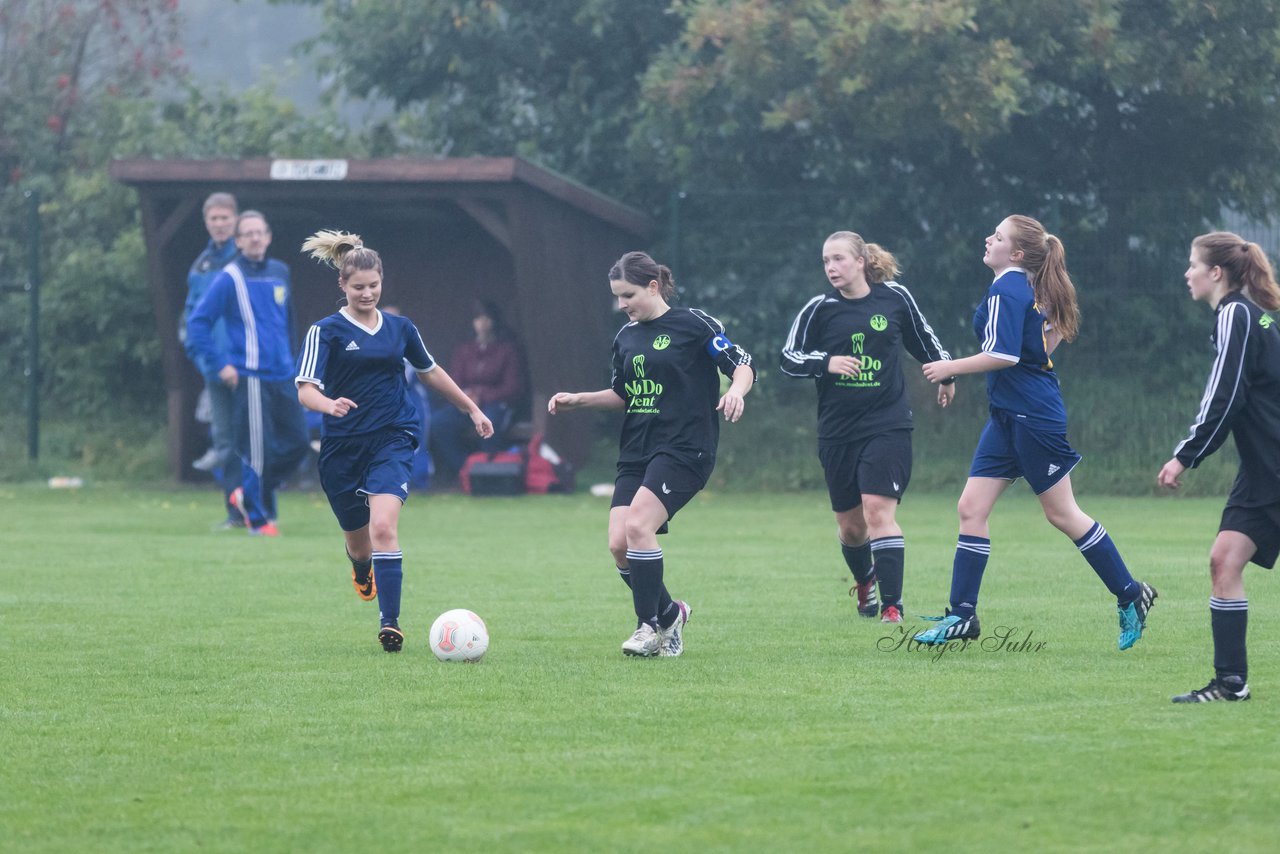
(889, 553)
(1230, 619)
(666, 614)
(362, 567)
(646, 583)
(858, 559)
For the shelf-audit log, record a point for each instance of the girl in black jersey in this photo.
(849, 342)
(1242, 398)
(665, 381)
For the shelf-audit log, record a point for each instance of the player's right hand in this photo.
(341, 406)
(848, 366)
(561, 400)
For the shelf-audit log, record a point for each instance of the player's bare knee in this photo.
(851, 533)
(637, 529)
(383, 535)
(971, 511)
(618, 548)
(1222, 567)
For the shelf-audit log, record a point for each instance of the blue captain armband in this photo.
(718, 345)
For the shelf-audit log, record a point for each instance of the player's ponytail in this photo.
(637, 268)
(879, 264)
(1045, 260)
(1245, 264)
(341, 250)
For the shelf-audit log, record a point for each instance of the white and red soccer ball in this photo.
(459, 635)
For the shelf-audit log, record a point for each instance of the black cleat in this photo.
(865, 594)
(1230, 688)
(391, 638)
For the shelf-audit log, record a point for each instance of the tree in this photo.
(81, 82)
(938, 104)
(557, 81)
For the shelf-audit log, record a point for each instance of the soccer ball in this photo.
(459, 635)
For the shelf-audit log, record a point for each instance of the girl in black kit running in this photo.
(665, 380)
(1242, 399)
(851, 341)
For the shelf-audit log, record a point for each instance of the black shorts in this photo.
(878, 465)
(1260, 524)
(674, 482)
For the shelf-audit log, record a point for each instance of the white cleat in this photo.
(645, 642)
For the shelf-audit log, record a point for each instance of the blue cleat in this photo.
(1133, 616)
(950, 627)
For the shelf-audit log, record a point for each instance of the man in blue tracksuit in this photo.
(220, 214)
(251, 295)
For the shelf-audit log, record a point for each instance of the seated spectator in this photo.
(489, 370)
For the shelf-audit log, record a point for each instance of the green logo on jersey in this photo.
(642, 394)
(857, 342)
(662, 342)
(1266, 321)
(879, 323)
(864, 378)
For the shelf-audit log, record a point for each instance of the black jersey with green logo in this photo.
(665, 372)
(873, 328)
(1242, 398)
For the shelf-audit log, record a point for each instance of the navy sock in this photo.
(966, 573)
(389, 573)
(1230, 619)
(646, 583)
(858, 559)
(889, 554)
(1097, 548)
(666, 615)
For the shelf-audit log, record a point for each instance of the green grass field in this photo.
(164, 688)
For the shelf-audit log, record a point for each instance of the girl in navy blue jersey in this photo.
(1242, 398)
(850, 341)
(352, 370)
(1030, 308)
(665, 381)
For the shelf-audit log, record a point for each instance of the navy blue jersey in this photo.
(874, 328)
(1242, 398)
(253, 299)
(665, 371)
(346, 359)
(203, 271)
(1011, 328)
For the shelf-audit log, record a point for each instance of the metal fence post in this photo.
(33, 325)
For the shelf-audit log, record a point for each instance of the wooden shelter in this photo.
(450, 231)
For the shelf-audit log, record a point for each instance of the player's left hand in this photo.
(946, 393)
(484, 427)
(731, 405)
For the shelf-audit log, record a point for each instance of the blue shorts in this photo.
(351, 469)
(877, 465)
(1009, 449)
(674, 482)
